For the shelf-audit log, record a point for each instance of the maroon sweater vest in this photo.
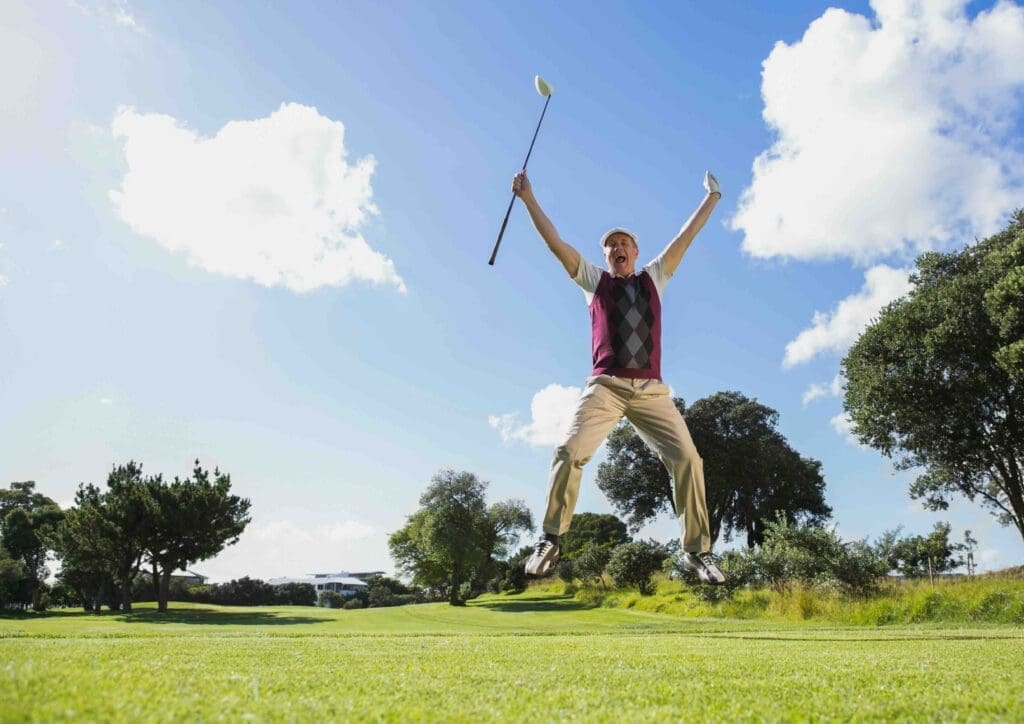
(625, 322)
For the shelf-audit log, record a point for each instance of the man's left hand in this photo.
(711, 184)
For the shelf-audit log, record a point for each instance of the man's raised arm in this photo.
(673, 253)
(566, 254)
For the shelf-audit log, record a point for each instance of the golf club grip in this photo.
(502, 232)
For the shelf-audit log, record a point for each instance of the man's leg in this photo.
(599, 409)
(660, 425)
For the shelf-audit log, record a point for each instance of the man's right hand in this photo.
(521, 185)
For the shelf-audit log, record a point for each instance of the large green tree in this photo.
(452, 538)
(193, 520)
(937, 381)
(27, 521)
(600, 529)
(750, 470)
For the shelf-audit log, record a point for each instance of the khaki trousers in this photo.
(648, 405)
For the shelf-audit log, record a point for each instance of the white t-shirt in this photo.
(588, 276)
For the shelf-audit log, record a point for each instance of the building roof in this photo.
(344, 580)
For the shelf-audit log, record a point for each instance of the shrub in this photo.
(332, 599)
(353, 603)
(567, 570)
(591, 561)
(634, 564)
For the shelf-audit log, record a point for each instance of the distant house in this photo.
(344, 583)
(190, 577)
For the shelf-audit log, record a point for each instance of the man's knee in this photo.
(571, 453)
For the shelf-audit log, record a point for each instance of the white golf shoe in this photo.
(545, 556)
(703, 564)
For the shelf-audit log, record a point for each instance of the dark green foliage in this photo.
(591, 562)
(12, 578)
(331, 599)
(634, 564)
(353, 603)
(454, 537)
(603, 529)
(750, 470)
(919, 556)
(937, 381)
(28, 521)
(194, 519)
(567, 570)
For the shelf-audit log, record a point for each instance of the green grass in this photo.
(987, 599)
(537, 656)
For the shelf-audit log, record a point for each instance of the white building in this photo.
(342, 582)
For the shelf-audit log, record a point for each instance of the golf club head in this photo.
(542, 86)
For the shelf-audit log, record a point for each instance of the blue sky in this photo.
(257, 234)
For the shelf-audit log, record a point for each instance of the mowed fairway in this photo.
(538, 657)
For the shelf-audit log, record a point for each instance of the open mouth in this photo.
(620, 258)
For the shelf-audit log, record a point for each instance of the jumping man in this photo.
(625, 314)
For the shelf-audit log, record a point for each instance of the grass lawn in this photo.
(535, 656)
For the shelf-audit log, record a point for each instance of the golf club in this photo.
(545, 90)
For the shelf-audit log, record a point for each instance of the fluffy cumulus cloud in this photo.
(892, 134)
(836, 330)
(832, 389)
(843, 426)
(273, 200)
(286, 548)
(550, 416)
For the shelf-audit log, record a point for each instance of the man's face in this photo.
(620, 254)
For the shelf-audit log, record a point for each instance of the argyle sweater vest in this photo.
(625, 319)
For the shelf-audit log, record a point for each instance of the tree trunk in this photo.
(931, 578)
(126, 593)
(165, 587)
(156, 583)
(453, 592)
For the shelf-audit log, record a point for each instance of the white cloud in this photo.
(3, 280)
(988, 558)
(892, 135)
(116, 10)
(551, 414)
(817, 389)
(273, 200)
(286, 548)
(106, 401)
(843, 426)
(835, 331)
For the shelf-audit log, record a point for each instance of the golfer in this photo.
(625, 315)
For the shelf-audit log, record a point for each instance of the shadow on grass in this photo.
(210, 616)
(196, 616)
(549, 604)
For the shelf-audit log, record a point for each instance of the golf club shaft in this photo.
(508, 211)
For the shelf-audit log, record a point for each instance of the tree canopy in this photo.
(600, 529)
(750, 470)
(937, 381)
(453, 537)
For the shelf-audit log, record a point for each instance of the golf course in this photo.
(535, 656)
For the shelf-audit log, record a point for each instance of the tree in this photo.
(589, 563)
(82, 543)
(12, 576)
(969, 545)
(918, 556)
(105, 535)
(601, 529)
(194, 519)
(27, 522)
(937, 381)
(634, 564)
(453, 536)
(750, 470)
